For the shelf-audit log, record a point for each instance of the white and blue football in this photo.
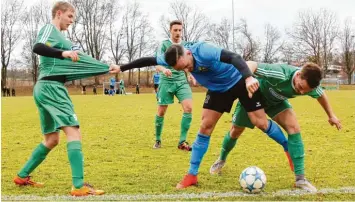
(252, 180)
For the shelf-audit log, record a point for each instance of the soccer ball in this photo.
(252, 180)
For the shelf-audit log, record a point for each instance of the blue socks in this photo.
(275, 133)
(199, 148)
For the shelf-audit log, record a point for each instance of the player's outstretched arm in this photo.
(43, 50)
(139, 63)
(332, 119)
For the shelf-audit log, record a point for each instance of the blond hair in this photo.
(62, 6)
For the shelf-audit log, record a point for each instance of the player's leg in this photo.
(41, 94)
(159, 123)
(164, 99)
(240, 120)
(273, 111)
(255, 109)
(76, 160)
(287, 119)
(156, 89)
(38, 155)
(200, 146)
(184, 95)
(215, 105)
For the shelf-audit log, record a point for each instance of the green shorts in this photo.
(54, 106)
(166, 92)
(241, 118)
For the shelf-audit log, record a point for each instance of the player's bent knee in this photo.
(236, 131)
(206, 128)
(261, 124)
(293, 129)
(188, 109)
(51, 143)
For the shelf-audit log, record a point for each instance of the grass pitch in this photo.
(118, 135)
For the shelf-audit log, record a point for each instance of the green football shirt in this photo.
(276, 82)
(85, 67)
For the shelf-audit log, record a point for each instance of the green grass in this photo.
(118, 134)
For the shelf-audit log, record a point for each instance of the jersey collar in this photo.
(174, 42)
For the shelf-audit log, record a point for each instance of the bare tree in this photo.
(272, 43)
(246, 44)
(116, 34)
(138, 34)
(32, 20)
(348, 48)
(314, 34)
(195, 23)
(93, 24)
(131, 24)
(221, 34)
(10, 33)
(147, 43)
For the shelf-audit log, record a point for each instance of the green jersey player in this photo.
(173, 83)
(59, 62)
(278, 83)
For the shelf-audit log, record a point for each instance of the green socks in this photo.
(159, 122)
(38, 155)
(185, 126)
(227, 146)
(76, 163)
(296, 150)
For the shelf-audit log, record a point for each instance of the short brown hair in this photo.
(175, 22)
(312, 73)
(62, 6)
(173, 53)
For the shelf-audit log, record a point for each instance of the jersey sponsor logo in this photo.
(202, 69)
(275, 94)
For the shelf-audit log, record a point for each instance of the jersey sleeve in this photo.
(161, 60)
(316, 93)
(45, 36)
(161, 49)
(208, 52)
(272, 72)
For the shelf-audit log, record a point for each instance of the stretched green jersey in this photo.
(85, 67)
(276, 83)
(176, 75)
(121, 83)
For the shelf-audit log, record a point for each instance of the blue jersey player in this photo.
(227, 78)
(156, 81)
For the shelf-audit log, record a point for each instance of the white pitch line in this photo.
(204, 195)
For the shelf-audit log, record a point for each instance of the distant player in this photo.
(83, 89)
(94, 90)
(278, 83)
(137, 88)
(227, 78)
(173, 84)
(122, 88)
(59, 64)
(156, 81)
